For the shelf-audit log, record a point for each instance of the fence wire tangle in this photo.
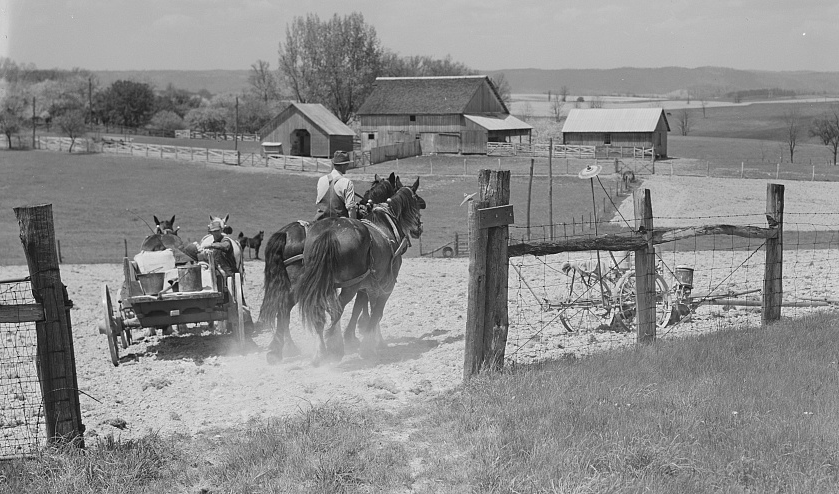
(561, 304)
(22, 425)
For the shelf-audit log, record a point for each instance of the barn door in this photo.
(473, 142)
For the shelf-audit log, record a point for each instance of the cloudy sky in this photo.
(484, 34)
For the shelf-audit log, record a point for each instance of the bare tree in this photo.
(563, 93)
(684, 122)
(503, 88)
(826, 128)
(72, 125)
(263, 82)
(792, 127)
(556, 108)
(595, 102)
(704, 103)
(527, 111)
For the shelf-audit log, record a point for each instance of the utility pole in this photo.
(236, 133)
(34, 124)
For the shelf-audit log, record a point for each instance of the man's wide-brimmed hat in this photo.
(214, 226)
(341, 158)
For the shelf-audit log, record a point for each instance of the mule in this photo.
(165, 236)
(283, 265)
(355, 255)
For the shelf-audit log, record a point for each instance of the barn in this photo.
(454, 114)
(306, 129)
(618, 127)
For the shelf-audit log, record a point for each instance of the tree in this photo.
(263, 82)
(579, 100)
(11, 115)
(392, 65)
(826, 128)
(563, 93)
(556, 108)
(792, 127)
(72, 124)
(127, 103)
(206, 119)
(175, 100)
(684, 122)
(333, 63)
(167, 120)
(503, 88)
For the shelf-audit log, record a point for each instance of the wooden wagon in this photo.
(215, 298)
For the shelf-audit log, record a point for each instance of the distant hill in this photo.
(666, 80)
(214, 81)
(714, 81)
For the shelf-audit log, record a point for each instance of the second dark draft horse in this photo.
(283, 265)
(353, 255)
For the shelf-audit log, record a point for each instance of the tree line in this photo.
(333, 62)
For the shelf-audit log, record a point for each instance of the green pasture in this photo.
(101, 202)
(737, 410)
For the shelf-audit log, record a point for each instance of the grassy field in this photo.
(102, 202)
(734, 411)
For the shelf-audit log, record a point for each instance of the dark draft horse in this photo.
(355, 255)
(283, 265)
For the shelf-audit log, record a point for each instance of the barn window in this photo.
(418, 136)
(412, 118)
(371, 136)
(607, 138)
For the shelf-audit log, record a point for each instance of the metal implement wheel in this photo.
(108, 325)
(586, 305)
(626, 302)
(448, 252)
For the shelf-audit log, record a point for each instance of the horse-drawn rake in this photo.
(200, 294)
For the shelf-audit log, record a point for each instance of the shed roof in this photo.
(614, 120)
(499, 122)
(318, 114)
(424, 95)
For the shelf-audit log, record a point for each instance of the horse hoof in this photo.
(274, 358)
(367, 352)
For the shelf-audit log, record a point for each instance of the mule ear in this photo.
(416, 185)
(392, 179)
(228, 214)
(375, 177)
(156, 221)
(211, 217)
(172, 221)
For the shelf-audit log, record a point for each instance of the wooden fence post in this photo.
(773, 272)
(56, 359)
(645, 269)
(529, 195)
(550, 186)
(486, 315)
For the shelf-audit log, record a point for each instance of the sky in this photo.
(776, 35)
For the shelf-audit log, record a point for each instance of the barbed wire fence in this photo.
(560, 306)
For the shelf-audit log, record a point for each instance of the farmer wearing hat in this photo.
(223, 245)
(336, 193)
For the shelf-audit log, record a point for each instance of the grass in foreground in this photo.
(736, 411)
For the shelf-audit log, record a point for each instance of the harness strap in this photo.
(357, 279)
(293, 259)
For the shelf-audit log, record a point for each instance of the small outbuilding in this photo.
(618, 127)
(307, 129)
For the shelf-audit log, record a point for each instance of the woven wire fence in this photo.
(22, 424)
(560, 305)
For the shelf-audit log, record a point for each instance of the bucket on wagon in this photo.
(189, 279)
(684, 275)
(151, 283)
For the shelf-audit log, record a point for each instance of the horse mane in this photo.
(403, 208)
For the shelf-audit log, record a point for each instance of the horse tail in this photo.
(315, 290)
(277, 283)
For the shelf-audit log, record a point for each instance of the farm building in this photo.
(457, 114)
(305, 129)
(618, 127)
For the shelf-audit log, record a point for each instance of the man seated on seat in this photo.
(226, 261)
(336, 193)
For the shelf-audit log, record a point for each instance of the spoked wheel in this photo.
(626, 304)
(586, 305)
(109, 326)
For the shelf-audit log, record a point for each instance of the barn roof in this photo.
(614, 120)
(318, 114)
(499, 122)
(424, 95)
